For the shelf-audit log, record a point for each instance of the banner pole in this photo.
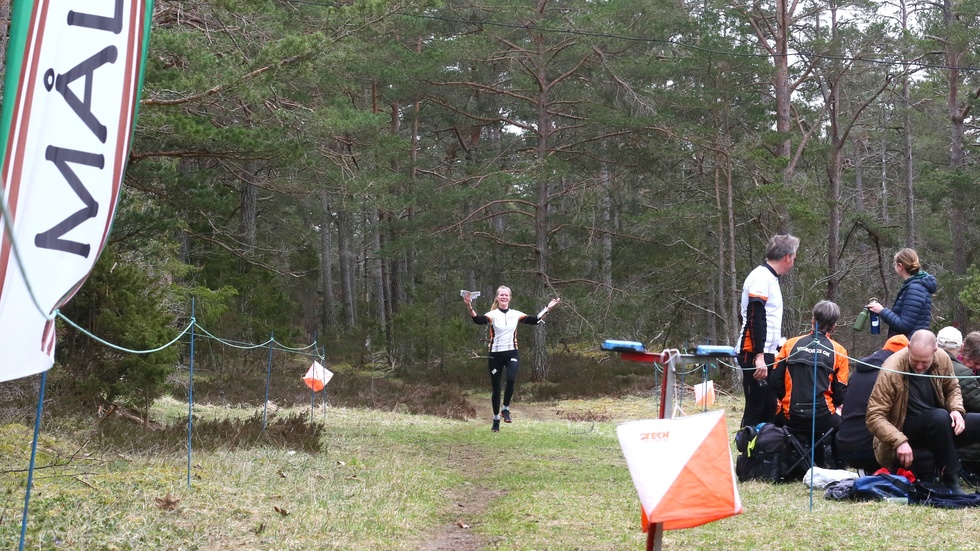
(655, 536)
(268, 381)
(30, 470)
(190, 397)
(655, 531)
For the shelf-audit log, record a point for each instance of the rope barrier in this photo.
(914, 374)
(122, 348)
(857, 361)
(272, 343)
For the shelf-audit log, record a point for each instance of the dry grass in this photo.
(554, 479)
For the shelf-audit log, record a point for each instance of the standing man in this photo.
(916, 404)
(762, 324)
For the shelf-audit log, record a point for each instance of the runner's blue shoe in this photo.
(496, 426)
(506, 415)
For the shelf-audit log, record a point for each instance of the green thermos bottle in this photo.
(862, 319)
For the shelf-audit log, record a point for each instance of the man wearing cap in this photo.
(965, 355)
(950, 340)
(855, 444)
(916, 404)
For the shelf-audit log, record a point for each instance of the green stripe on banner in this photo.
(19, 14)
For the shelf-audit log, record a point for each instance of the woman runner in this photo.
(503, 346)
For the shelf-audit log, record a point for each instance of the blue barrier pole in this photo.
(190, 399)
(268, 381)
(324, 356)
(313, 392)
(30, 470)
(813, 422)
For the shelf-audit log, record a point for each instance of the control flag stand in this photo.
(670, 360)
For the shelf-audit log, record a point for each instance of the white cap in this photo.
(949, 338)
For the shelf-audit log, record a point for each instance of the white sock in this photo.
(506, 408)
(496, 418)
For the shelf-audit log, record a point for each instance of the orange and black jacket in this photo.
(793, 379)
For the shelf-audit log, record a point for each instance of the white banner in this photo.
(72, 88)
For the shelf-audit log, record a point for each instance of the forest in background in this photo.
(340, 170)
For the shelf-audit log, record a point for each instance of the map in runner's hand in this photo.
(472, 294)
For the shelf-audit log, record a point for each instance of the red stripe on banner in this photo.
(126, 108)
(48, 338)
(17, 138)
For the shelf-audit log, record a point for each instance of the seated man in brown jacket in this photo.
(916, 403)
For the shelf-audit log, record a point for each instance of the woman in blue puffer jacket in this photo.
(913, 305)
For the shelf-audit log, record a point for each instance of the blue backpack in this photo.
(882, 486)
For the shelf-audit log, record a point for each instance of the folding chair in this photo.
(800, 441)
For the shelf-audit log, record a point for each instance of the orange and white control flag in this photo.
(704, 394)
(682, 469)
(317, 377)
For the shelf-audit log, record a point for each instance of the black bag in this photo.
(766, 453)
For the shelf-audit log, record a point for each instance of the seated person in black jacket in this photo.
(804, 399)
(854, 440)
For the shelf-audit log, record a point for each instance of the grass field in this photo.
(554, 479)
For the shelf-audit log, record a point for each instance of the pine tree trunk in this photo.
(540, 362)
(376, 269)
(249, 214)
(783, 94)
(328, 306)
(909, 175)
(719, 300)
(347, 267)
(605, 211)
(859, 174)
(957, 160)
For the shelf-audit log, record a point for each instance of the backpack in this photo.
(882, 486)
(765, 452)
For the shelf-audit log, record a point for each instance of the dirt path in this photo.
(471, 500)
(459, 535)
